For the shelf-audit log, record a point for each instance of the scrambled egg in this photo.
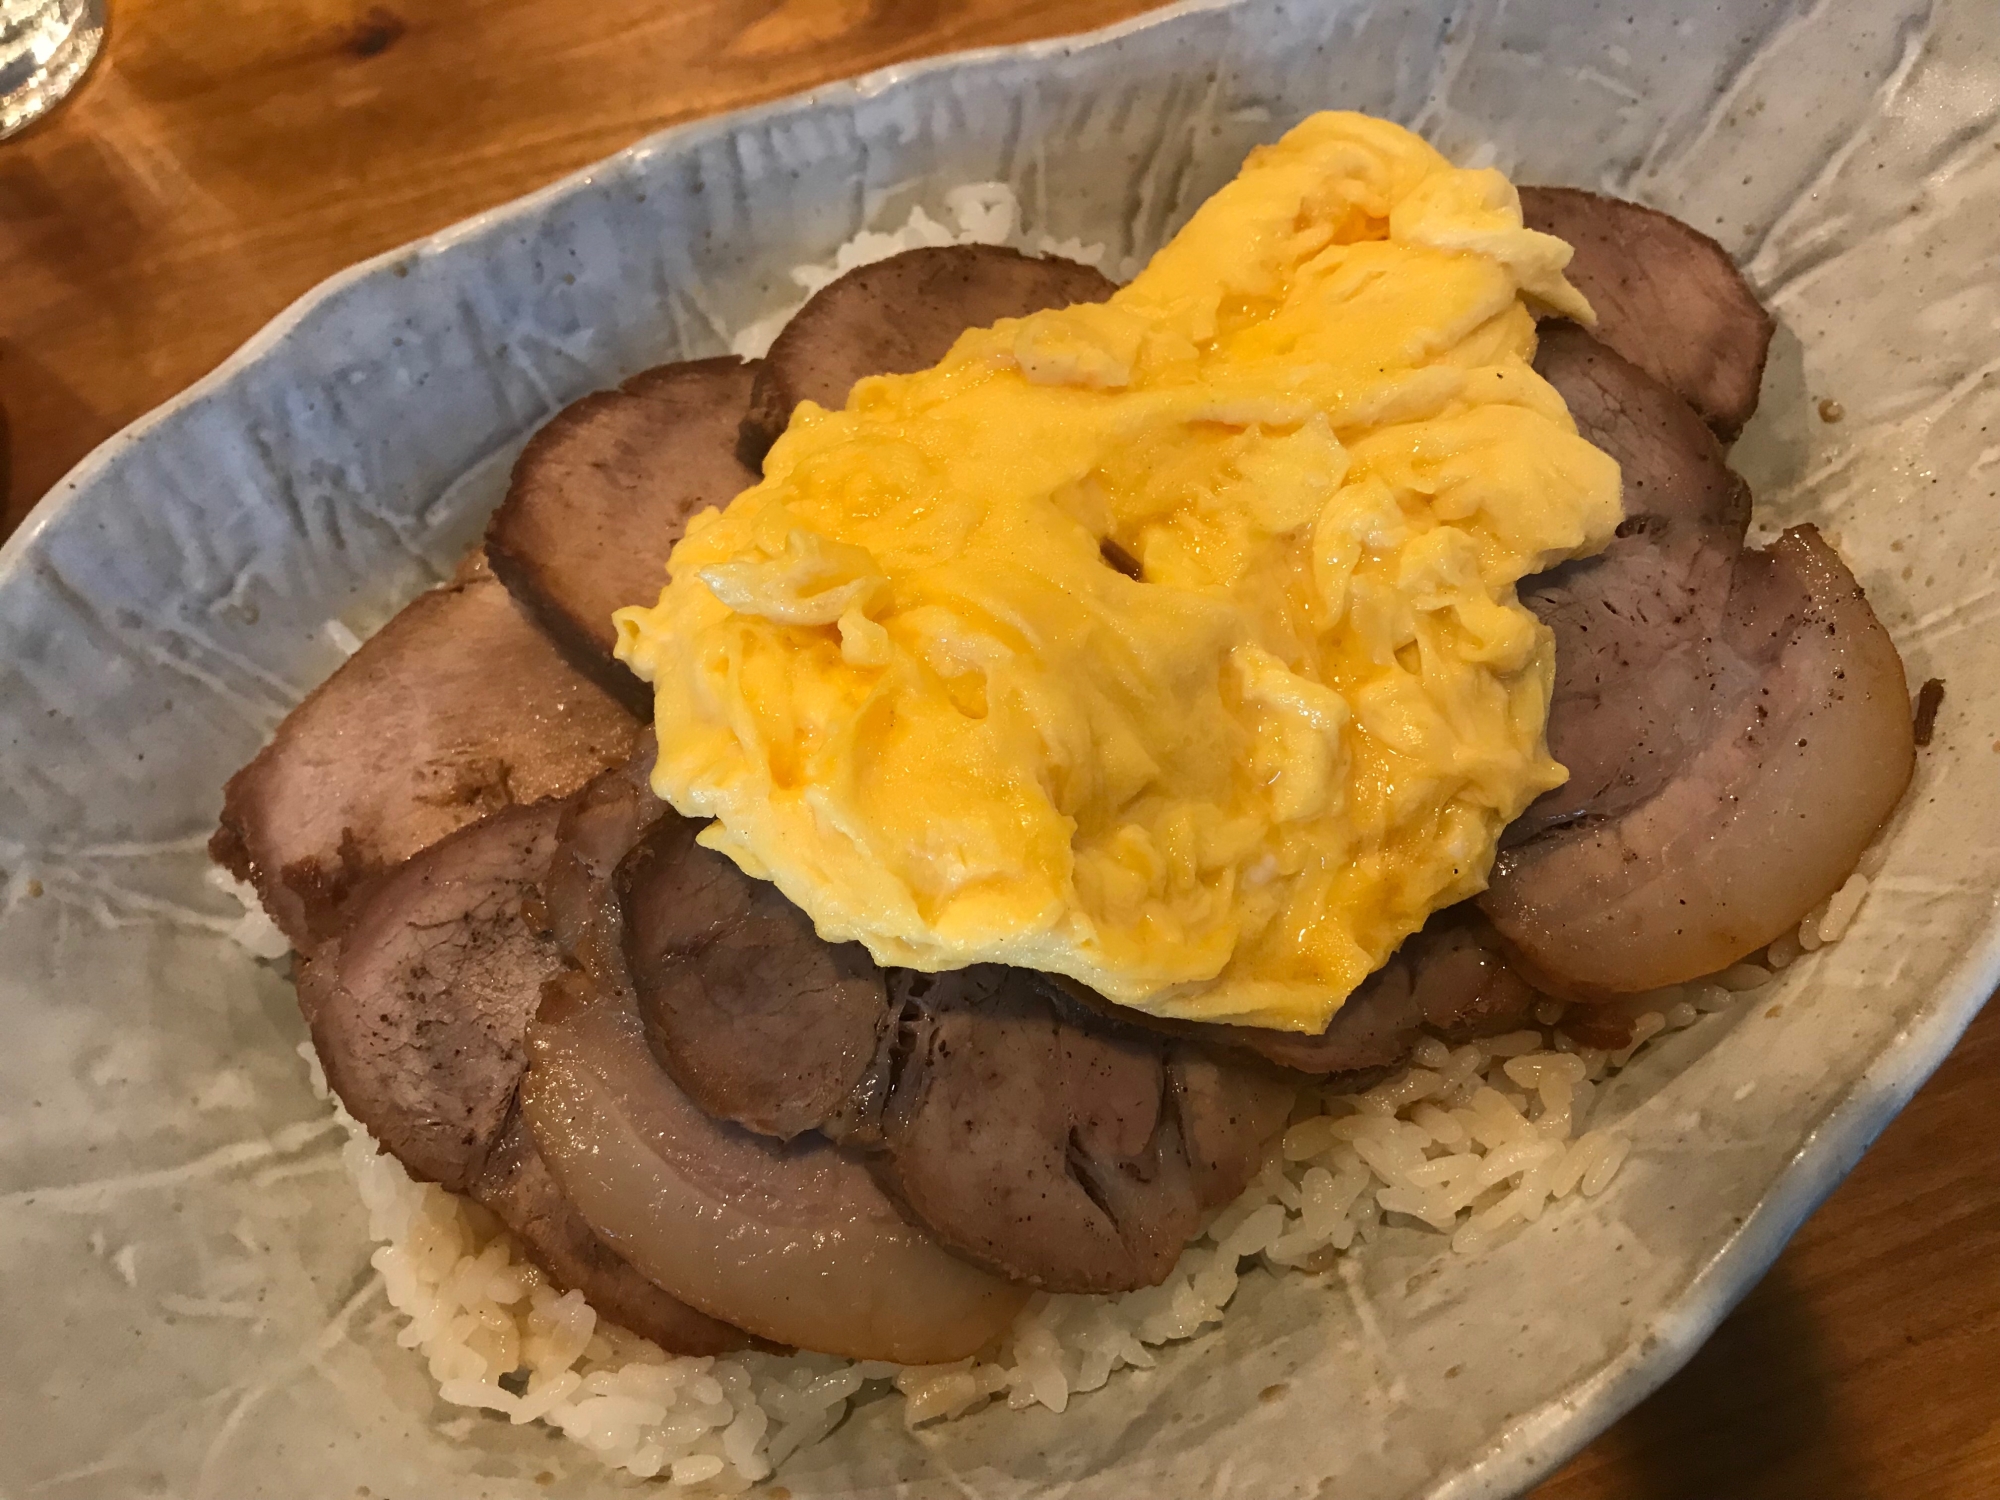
(910, 680)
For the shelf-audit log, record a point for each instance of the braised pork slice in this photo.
(456, 708)
(1667, 297)
(760, 1022)
(521, 1192)
(793, 1241)
(601, 494)
(757, 1019)
(985, 1073)
(1802, 755)
(1058, 1149)
(419, 1011)
(1450, 980)
(1634, 678)
(898, 316)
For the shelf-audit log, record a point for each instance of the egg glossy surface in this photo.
(907, 681)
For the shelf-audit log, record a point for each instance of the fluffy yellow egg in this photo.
(905, 682)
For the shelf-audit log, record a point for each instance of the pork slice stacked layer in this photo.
(531, 983)
(1736, 722)
(896, 317)
(455, 709)
(1058, 1148)
(419, 1010)
(601, 494)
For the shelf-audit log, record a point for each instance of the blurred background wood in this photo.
(227, 155)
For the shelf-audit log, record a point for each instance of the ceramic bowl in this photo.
(188, 1307)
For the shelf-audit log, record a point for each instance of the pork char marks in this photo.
(896, 317)
(456, 708)
(601, 494)
(1667, 297)
(419, 1011)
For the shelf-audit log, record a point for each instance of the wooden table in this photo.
(230, 154)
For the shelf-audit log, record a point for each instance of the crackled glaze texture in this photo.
(188, 1307)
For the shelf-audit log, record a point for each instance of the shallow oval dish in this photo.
(188, 1304)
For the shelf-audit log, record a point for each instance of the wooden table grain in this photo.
(228, 154)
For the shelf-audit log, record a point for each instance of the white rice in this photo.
(1467, 1141)
(340, 637)
(254, 930)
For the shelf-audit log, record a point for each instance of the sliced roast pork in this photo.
(1801, 756)
(419, 1011)
(456, 708)
(1450, 980)
(984, 1077)
(1633, 625)
(757, 1018)
(1071, 1154)
(898, 316)
(601, 494)
(1667, 297)
(793, 1241)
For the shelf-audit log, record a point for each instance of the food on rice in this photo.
(1460, 1097)
(588, 515)
(1667, 298)
(903, 681)
(455, 709)
(1503, 1127)
(896, 316)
